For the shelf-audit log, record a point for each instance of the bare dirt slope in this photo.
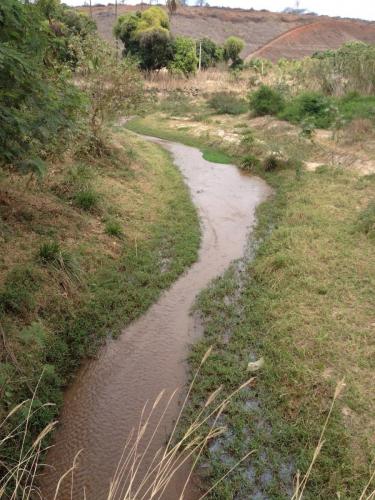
(267, 34)
(317, 36)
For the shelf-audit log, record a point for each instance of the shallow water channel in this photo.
(105, 400)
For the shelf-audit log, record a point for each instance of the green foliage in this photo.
(233, 46)
(211, 53)
(311, 106)
(250, 163)
(184, 56)
(17, 295)
(87, 199)
(266, 101)
(39, 106)
(366, 220)
(49, 251)
(353, 105)
(272, 162)
(114, 228)
(227, 103)
(155, 49)
(146, 36)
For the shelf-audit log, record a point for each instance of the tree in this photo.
(172, 6)
(233, 46)
(146, 36)
(155, 49)
(211, 53)
(184, 56)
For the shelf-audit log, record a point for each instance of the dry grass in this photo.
(208, 81)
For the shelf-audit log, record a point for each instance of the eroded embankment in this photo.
(106, 399)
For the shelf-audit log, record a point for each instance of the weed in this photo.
(228, 103)
(87, 199)
(49, 251)
(18, 293)
(114, 228)
(272, 162)
(366, 220)
(312, 106)
(250, 163)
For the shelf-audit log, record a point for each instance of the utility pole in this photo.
(90, 9)
(200, 56)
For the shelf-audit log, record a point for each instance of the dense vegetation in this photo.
(147, 38)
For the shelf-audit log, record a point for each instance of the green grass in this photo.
(306, 306)
(155, 129)
(40, 299)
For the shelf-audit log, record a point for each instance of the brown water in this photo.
(106, 399)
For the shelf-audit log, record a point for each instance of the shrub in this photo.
(87, 199)
(250, 163)
(312, 106)
(266, 101)
(114, 228)
(227, 103)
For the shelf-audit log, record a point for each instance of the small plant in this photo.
(20, 285)
(248, 139)
(272, 162)
(250, 163)
(266, 101)
(114, 228)
(49, 251)
(87, 199)
(366, 220)
(227, 103)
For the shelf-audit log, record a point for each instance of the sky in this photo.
(363, 9)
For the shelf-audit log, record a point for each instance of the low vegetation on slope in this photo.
(299, 317)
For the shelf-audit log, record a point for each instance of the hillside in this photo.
(267, 34)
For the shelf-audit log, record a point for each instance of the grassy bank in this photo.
(83, 254)
(307, 307)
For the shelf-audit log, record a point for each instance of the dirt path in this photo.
(106, 399)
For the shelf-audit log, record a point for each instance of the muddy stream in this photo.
(106, 398)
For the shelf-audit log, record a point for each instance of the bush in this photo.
(266, 101)
(227, 103)
(87, 199)
(250, 163)
(312, 106)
